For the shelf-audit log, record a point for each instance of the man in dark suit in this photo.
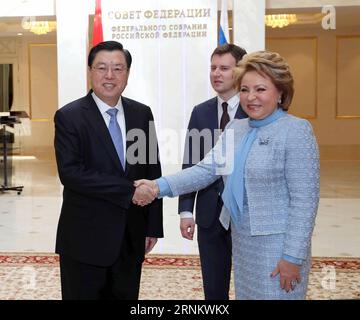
(103, 235)
(213, 240)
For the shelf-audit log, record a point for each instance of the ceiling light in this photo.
(280, 20)
(40, 27)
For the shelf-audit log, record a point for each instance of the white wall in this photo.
(248, 24)
(72, 49)
(19, 8)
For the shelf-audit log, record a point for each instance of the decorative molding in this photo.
(340, 152)
(315, 58)
(337, 116)
(41, 120)
(30, 45)
(8, 46)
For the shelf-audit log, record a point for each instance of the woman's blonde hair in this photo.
(272, 65)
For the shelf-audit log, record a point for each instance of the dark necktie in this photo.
(225, 118)
(116, 135)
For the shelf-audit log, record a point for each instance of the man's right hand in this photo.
(187, 228)
(144, 192)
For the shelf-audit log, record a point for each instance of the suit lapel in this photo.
(212, 115)
(98, 126)
(240, 113)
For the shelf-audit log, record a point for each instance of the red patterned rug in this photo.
(36, 276)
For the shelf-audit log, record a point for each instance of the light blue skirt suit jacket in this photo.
(282, 196)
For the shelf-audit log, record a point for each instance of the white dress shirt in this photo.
(233, 103)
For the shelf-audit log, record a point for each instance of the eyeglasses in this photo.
(116, 70)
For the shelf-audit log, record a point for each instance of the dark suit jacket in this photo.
(97, 196)
(204, 116)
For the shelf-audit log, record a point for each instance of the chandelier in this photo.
(280, 20)
(40, 27)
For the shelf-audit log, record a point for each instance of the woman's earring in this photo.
(279, 100)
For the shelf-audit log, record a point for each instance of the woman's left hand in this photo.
(289, 274)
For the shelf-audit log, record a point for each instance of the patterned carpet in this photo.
(172, 277)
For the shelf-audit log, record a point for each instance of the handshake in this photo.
(146, 192)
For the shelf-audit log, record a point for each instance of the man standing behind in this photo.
(102, 235)
(213, 240)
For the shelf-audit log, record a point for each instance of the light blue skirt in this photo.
(254, 259)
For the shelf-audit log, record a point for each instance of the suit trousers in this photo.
(120, 281)
(215, 257)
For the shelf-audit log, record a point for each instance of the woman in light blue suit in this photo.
(270, 166)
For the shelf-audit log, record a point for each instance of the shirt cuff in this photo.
(293, 259)
(186, 214)
(164, 188)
